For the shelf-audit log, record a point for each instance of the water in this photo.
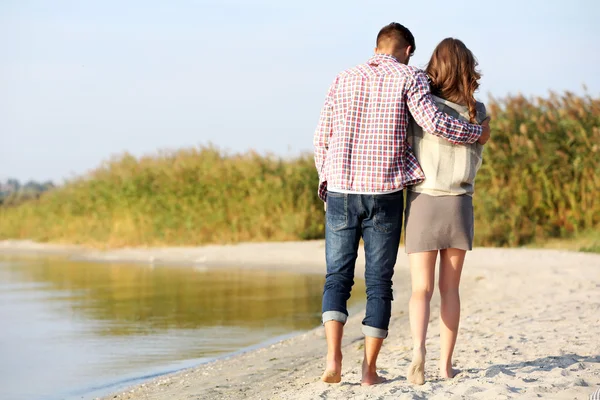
(78, 330)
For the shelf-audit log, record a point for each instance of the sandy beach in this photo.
(530, 328)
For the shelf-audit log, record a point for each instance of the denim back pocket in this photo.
(337, 211)
(388, 212)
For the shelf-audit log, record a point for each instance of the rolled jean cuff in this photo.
(334, 316)
(374, 332)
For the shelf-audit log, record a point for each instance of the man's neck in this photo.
(389, 54)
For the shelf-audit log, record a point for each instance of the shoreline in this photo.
(530, 328)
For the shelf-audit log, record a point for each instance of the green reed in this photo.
(540, 179)
(541, 170)
(185, 197)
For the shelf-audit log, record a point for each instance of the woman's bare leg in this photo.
(422, 272)
(451, 263)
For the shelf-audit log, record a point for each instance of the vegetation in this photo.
(187, 197)
(588, 242)
(539, 180)
(541, 172)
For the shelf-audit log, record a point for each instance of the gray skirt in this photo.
(438, 222)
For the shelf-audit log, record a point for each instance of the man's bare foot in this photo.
(333, 370)
(416, 370)
(369, 375)
(447, 372)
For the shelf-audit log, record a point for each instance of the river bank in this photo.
(530, 328)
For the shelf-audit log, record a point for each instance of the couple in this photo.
(364, 161)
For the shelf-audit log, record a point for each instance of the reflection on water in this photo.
(72, 326)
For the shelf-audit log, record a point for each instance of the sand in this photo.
(530, 329)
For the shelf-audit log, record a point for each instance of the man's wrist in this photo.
(478, 131)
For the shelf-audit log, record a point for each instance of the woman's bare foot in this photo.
(333, 370)
(447, 372)
(416, 370)
(369, 375)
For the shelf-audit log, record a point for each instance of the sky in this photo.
(83, 81)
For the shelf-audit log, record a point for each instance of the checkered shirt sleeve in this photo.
(432, 120)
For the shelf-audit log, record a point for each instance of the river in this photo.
(73, 330)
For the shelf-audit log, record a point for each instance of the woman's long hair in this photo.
(452, 70)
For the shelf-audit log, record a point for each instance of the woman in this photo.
(439, 211)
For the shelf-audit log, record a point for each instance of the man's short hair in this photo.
(397, 33)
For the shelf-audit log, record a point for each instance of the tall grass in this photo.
(185, 197)
(541, 173)
(540, 179)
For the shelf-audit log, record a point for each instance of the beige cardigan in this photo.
(449, 168)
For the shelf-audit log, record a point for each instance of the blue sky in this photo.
(81, 81)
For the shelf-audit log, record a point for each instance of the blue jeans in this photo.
(378, 220)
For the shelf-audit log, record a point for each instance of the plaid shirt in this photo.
(360, 142)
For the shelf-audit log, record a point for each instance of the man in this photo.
(364, 163)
